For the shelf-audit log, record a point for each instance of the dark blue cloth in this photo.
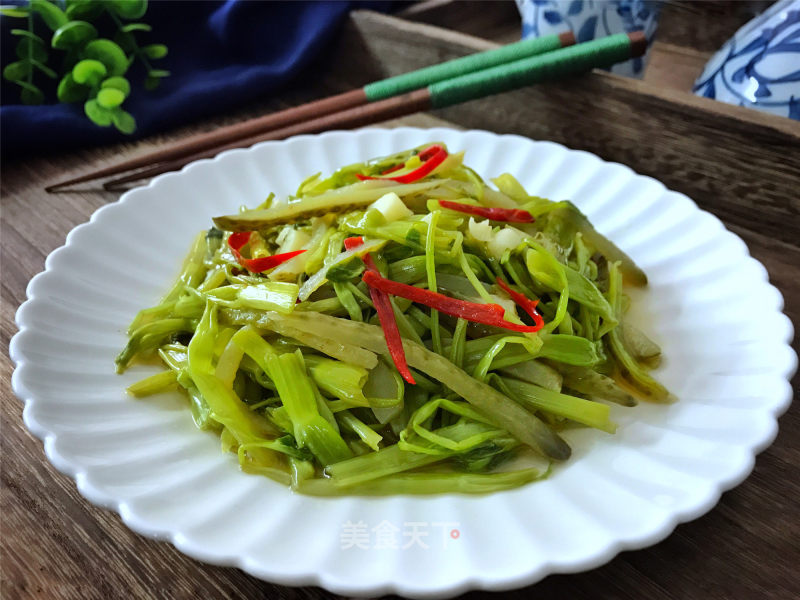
(221, 55)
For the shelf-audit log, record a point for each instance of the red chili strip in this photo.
(430, 151)
(472, 311)
(353, 242)
(237, 241)
(509, 215)
(257, 265)
(488, 314)
(528, 305)
(383, 305)
(390, 331)
(431, 158)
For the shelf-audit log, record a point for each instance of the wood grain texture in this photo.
(55, 545)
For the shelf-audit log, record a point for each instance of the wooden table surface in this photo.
(54, 544)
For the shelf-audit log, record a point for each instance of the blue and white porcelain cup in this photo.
(590, 19)
(759, 66)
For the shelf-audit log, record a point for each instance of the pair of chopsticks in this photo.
(452, 82)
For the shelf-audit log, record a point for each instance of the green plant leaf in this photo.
(130, 27)
(71, 58)
(31, 48)
(73, 34)
(44, 69)
(32, 97)
(27, 34)
(14, 11)
(108, 53)
(71, 91)
(84, 9)
(155, 51)
(17, 71)
(151, 83)
(30, 93)
(51, 14)
(110, 97)
(124, 121)
(89, 72)
(126, 41)
(97, 114)
(128, 9)
(154, 77)
(117, 83)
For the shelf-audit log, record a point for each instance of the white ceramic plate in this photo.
(667, 464)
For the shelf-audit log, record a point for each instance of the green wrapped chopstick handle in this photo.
(553, 65)
(394, 86)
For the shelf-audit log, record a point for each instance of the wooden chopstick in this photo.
(373, 92)
(391, 108)
(222, 135)
(603, 52)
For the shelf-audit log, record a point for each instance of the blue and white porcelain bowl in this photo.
(759, 66)
(590, 19)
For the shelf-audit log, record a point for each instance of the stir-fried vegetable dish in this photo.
(400, 326)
